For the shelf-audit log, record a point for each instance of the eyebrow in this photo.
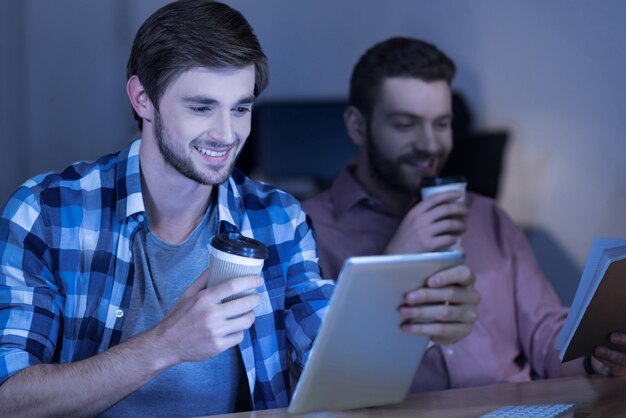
(207, 101)
(403, 114)
(414, 116)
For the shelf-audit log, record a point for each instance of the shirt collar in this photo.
(130, 199)
(229, 202)
(346, 192)
(128, 182)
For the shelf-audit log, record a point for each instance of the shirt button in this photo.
(140, 218)
(119, 313)
(449, 351)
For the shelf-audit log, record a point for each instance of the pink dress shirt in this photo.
(520, 315)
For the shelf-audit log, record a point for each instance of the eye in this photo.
(403, 126)
(403, 123)
(200, 109)
(242, 110)
(443, 125)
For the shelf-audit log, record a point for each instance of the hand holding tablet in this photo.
(361, 356)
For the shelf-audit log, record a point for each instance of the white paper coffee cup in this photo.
(435, 185)
(232, 255)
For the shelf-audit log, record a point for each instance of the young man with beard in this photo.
(399, 116)
(104, 302)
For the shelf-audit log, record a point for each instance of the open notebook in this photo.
(598, 307)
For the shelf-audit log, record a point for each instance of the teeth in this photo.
(426, 163)
(211, 153)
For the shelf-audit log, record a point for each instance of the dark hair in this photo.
(193, 33)
(396, 57)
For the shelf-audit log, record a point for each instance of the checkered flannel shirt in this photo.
(66, 270)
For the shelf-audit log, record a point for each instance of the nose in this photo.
(222, 129)
(429, 140)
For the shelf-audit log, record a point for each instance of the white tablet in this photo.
(361, 357)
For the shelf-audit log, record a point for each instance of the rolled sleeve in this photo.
(29, 299)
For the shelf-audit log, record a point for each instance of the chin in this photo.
(412, 185)
(215, 177)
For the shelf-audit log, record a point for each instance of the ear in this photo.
(139, 98)
(356, 125)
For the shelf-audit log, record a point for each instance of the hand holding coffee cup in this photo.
(435, 185)
(234, 255)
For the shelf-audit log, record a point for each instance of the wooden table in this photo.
(594, 397)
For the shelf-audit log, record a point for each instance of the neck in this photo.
(395, 201)
(175, 205)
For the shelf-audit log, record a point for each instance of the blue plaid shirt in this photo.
(66, 273)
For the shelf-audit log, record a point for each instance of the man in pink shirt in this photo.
(399, 116)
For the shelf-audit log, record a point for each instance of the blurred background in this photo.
(549, 76)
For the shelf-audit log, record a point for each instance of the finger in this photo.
(441, 333)
(449, 294)
(234, 286)
(459, 275)
(240, 306)
(444, 211)
(439, 199)
(448, 210)
(199, 284)
(229, 318)
(237, 324)
(424, 296)
(230, 340)
(453, 227)
(607, 367)
(618, 338)
(609, 357)
(440, 313)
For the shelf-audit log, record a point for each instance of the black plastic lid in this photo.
(235, 243)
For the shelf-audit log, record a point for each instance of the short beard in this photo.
(385, 169)
(179, 163)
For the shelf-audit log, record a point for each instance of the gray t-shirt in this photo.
(162, 272)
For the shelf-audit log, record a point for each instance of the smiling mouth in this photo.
(211, 153)
(425, 166)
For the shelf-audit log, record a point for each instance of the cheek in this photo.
(175, 125)
(187, 129)
(178, 133)
(445, 139)
(394, 144)
(386, 138)
(242, 127)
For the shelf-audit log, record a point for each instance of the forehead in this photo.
(411, 95)
(211, 82)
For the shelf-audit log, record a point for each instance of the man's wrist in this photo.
(150, 353)
(588, 365)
